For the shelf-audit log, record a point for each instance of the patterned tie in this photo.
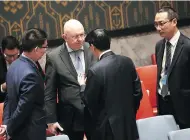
(164, 90)
(168, 56)
(78, 62)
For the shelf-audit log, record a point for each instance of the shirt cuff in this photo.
(2, 89)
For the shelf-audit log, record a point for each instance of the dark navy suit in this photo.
(23, 110)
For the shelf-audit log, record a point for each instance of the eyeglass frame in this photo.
(83, 35)
(40, 46)
(161, 23)
(11, 56)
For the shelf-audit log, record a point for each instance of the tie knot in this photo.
(168, 44)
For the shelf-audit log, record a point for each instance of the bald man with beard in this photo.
(64, 67)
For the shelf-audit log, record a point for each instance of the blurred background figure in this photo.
(9, 53)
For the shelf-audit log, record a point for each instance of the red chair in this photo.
(148, 74)
(153, 58)
(145, 109)
(1, 112)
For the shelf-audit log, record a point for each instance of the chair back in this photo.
(148, 74)
(1, 112)
(156, 128)
(145, 110)
(58, 137)
(183, 134)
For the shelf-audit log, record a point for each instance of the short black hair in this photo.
(33, 37)
(99, 38)
(172, 14)
(10, 43)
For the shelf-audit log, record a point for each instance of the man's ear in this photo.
(35, 49)
(64, 36)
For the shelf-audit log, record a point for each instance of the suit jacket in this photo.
(61, 78)
(3, 71)
(178, 77)
(112, 97)
(23, 108)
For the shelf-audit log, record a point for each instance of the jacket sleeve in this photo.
(29, 87)
(92, 92)
(50, 91)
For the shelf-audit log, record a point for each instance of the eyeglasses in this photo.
(76, 37)
(161, 24)
(11, 56)
(40, 46)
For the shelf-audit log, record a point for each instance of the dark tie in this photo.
(168, 56)
(164, 90)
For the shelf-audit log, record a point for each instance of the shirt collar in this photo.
(71, 50)
(29, 59)
(175, 38)
(104, 53)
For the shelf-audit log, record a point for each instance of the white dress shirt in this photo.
(173, 42)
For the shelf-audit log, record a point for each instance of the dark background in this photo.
(119, 17)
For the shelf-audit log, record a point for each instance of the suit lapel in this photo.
(177, 52)
(160, 56)
(67, 60)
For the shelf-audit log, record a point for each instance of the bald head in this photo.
(72, 25)
(74, 34)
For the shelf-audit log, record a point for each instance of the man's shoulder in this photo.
(55, 51)
(158, 43)
(123, 59)
(185, 39)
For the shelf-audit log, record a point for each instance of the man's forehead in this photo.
(75, 31)
(12, 51)
(161, 16)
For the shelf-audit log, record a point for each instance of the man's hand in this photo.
(53, 128)
(4, 87)
(3, 132)
(81, 79)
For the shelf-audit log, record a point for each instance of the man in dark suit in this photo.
(24, 115)
(112, 94)
(64, 66)
(173, 61)
(10, 52)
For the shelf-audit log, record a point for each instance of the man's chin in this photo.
(162, 34)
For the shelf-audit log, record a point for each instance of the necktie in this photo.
(164, 90)
(168, 56)
(78, 62)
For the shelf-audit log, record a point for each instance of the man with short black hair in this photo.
(112, 94)
(24, 115)
(173, 63)
(10, 52)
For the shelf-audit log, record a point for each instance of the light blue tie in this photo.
(78, 62)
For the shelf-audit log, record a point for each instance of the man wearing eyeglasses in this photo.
(24, 116)
(65, 66)
(173, 66)
(10, 52)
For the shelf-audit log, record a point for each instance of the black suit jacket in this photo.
(178, 77)
(61, 78)
(23, 108)
(3, 72)
(112, 97)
